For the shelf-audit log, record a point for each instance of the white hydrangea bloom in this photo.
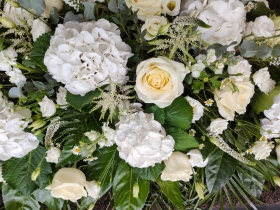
(198, 109)
(87, 55)
(142, 141)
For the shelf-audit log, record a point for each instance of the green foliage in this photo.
(15, 201)
(123, 187)
(248, 49)
(149, 173)
(88, 12)
(219, 170)
(44, 196)
(67, 157)
(70, 16)
(54, 16)
(17, 171)
(259, 10)
(116, 6)
(179, 113)
(276, 51)
(38, 5)
(158, 113)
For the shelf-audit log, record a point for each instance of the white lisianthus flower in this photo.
(109, 135)
(87, 55)
(196, 159)
(171, 7)
(261, 150)
(177, 167)
(227, 21)
(8, 58)
(61, 96)
(242, 69)
(155, 25)
(47, 107)
(145, 8)
(53, 155)
(93, 189)
(68, 184)
(142, 141)
(263, 26)
(16, 76)
(217, 126)
(39, 28)
(229, 101)
(159, 80)
(262, 80)
(198, 109)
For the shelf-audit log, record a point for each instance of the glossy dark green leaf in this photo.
(87, 202)
(219, 170)
(123, 184)
(149, 173)
(67, 156)
(44, 196)
(158, 113)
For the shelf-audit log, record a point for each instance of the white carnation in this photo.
(142, 141)
(261, 150)
(196, 158)
(242, 70)
(61, 97)
(198, 109)
(218, 125)
(16, 76)
(87, 55)
(262, 80)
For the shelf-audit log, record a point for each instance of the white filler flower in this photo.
(142, 141)
(87, 55)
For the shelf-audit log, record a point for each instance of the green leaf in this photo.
(102, 170)
(86, 202)
(259, 10)
(261, 101)
(54, 16)
(17, 171)
(77, 101)
(70, 16)
(179, 113)
(172, 191)
(88, 13)
(44, 196)
(248, 49)
(67, 157)
(14, 201)
(183, 140)
(116, 6)
(39, 49)
(264, 51)
(276, 51)
(123, 184)
(219, 49)
(219, 170)
(38, 5)
(158, 113)
(149, 173)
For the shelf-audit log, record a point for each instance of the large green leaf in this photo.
(158, 113)
(123, 184)
(44, 196)
(172, 191)
(15, 201)
(261, 101)
(183, 140)
(39, 49)
(149, 173)
(103, 169)
(77, 101)
(17, 171)
(179, 113)
(219, 170)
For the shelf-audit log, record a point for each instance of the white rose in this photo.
(39, 28)
(68, 184)
(261, 150)
(229, 101)
(53, 154)
(145, 8)
(159, 80)
(16, 76)
(177, 167)
(49, 4)
(47, 107)
(198, 109)
(171, 7)
(242, 67)
(262, 80)
(277, 150)
(155, 25)
(196, 158)
(93, 189)
(218, 125)
(61, 96)
(263, 26)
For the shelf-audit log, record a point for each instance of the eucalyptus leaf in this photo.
(158, 113)
(276, 51)
(124, 191)
(264, 51)
(37, 5)
(248, 49)
(44, 196)
(54, 16)
(116, 6)
(88, 12)
(70, 16)
(149, 173)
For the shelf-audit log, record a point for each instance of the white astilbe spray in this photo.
(142, 141)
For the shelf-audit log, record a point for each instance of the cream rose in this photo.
(218, 125)
(68, 184)
(177, 167)
(47, 107)
(155, 25)
(229, 101)
(159, 80)
(53, 154)
(145, 8)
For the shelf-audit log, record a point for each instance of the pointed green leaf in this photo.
(123, 184)
(44, 196)
(103, 169)
(17, 171)
(158, 113)
(179, 113)
(183, 140)
(149, 173)
(219, 170)
(172, 191)
(15, 201)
